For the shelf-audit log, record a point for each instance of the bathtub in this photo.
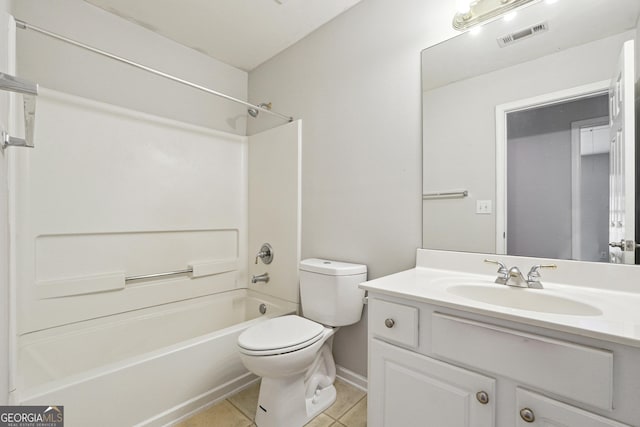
(149, 367)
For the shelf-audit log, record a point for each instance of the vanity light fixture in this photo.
(473, 12)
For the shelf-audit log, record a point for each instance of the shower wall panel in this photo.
(109, 193)
(275, 207)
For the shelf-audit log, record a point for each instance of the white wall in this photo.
(69, 69)
(356, 84)
(109, 192)
(638, 50)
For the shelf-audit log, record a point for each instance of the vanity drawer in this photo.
(394, 322)
(580, 373)
(552, 412)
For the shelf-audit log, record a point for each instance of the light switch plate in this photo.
(483, 207)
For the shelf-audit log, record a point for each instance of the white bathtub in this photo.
(149, 367)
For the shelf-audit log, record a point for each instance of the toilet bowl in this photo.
(293, 354)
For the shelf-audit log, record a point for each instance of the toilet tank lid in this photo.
(331, 268)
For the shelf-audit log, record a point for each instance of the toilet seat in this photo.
(280, 335)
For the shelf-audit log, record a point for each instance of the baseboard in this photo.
(193, 406)
(187, 409)
(352, 378)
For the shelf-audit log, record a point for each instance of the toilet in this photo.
(293, 354)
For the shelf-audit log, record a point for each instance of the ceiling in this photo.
(242, 33)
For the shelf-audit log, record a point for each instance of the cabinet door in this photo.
(544, 412)
(408, 389)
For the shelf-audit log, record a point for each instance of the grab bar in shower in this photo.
(116, 281)
(154, 275)
(446, 195)
(196, 270)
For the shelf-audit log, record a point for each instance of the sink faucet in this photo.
(514, 277)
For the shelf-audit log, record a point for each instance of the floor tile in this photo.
(239, 410)
(320, 421)
(356, 416)
(223, 414)
(348, 396)
(247, 400)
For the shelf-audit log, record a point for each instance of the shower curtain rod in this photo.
(25, 26)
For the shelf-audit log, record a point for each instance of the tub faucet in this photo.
(260, 278)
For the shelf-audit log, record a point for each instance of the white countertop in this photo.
(618, 320)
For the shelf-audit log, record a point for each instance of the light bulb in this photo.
(510, 16)
(463, 6)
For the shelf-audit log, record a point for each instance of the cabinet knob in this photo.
(527, 415)
(389, 323)
(482, 397)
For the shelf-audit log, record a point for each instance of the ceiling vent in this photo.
(510, 39)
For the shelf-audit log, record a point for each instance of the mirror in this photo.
(509, 114)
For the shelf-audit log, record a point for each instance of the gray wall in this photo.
(594, 207)
(66, 68)
(355, 83)
(459, 151)
(539, 177)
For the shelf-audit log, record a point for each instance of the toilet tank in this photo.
(329, 291)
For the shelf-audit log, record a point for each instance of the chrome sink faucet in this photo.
(514, 277)
(503, 272)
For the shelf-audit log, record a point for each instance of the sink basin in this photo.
(523, 299)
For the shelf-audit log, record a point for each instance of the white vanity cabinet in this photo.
(441, 367)
(412, 390)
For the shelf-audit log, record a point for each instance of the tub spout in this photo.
(261, 278)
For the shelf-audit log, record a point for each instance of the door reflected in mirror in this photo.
(557, 183)
(539, 134)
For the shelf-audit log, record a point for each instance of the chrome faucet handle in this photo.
(265, 254)
(259, 255)
(503, 272)
(533, 277)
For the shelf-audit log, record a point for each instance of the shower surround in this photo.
(110, 194)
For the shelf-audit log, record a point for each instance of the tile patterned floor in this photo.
(349, 410)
